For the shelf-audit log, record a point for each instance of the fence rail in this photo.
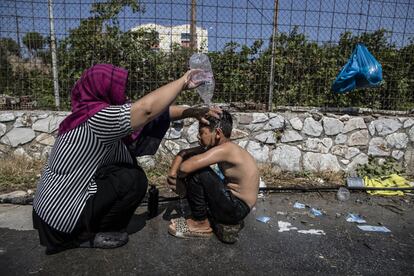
(264, 53)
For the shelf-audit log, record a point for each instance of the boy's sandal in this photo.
(181, 230)
(174, 220)
(228, 233)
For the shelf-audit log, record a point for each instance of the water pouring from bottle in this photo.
(206, 89)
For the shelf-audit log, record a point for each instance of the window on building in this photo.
(154, 37)
(185, 36)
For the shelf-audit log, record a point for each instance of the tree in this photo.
(34, 42)
(304, 69)
(99, 39)
(9, 47)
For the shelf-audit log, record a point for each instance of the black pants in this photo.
(208, 195)
(121, 187)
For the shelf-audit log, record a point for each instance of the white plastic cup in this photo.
(343, 194)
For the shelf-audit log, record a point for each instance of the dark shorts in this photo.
(208, 195)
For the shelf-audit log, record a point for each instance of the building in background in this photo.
(169, 35)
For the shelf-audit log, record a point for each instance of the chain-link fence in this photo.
(283, 52)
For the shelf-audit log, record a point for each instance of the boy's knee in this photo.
(200, 175)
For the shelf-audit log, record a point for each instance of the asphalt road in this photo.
(339, 249)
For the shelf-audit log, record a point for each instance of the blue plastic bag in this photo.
(362, 70)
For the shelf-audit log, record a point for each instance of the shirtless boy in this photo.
(225, 201)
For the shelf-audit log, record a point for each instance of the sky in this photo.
(241, 21)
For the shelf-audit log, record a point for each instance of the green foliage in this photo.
(376, 170)
(9, 47)
(99, 39)
(41, 87)
(17, 79)
(6, 74)
(303, 70)
(33, 41)
(45, 56)
(110, 9)
(238, 71)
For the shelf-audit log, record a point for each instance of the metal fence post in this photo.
(17, 27)
(272, 61)
(54, 57)
(193, 26)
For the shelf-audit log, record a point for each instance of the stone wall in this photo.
(293, 141)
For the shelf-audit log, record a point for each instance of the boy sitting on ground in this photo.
(225, 200)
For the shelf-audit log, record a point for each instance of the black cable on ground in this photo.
(303, 189)
(315, 189)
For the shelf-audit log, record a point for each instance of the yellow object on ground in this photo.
(391, 181)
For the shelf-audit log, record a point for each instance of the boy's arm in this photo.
(212, 156)
(179, 158)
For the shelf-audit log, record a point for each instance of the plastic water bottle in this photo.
(343, 194)
(205, 90)
(153, 202)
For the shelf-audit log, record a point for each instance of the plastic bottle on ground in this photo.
(343, 194)
(153, 202)
(205, 90)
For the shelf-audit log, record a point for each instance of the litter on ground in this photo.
(355, 218)
(263, 219)
(371, 228)
(316, 212)
(285, 226)
(312, 232)
(299, 205)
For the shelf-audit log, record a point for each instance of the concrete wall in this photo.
(291, 140)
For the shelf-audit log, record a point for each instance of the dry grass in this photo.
(22, 174)
(274, 177)
(158, 174)
(270, 175)
(17, 173)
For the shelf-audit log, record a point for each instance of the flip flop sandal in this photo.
(182, 231)
(174, 220)
(228, 233)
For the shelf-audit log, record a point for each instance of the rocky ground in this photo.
(292, 242)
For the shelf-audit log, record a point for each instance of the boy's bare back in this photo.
(240, 170)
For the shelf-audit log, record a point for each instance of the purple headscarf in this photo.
(99, 86)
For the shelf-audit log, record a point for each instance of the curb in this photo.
(18, 197)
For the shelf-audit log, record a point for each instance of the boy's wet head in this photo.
(225, 123)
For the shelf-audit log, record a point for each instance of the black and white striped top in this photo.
(67, 179)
